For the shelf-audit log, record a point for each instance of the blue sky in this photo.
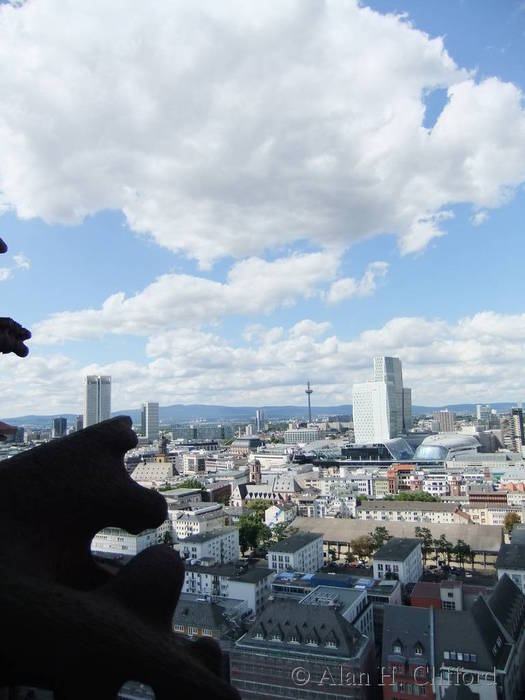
(285, 155)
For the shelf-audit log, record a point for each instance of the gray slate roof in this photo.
(507, 603)
(293, 543)
(480, 538)
(511, 556)
(397, 549)
(407, 626)
(290, 620)
(236, 572)
(205, 615)
(473, 632)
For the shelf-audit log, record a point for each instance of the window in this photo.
(397, 649)
(460, 656)
(446, 655)
(178, 628)
(474, 658)
(453, 655)
(418, 650)
(449, 605)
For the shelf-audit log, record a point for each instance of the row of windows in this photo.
(410, 689)
(460, 656)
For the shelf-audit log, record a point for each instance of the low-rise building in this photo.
(300, 552)
(412, 511)
(280, 515)
(314, 639)
(115, 540)
(445, 595)
(197, 519)
(399, 558)
(439, 649)
(237, 581)
(155, 473)
(221, 546)
(511, 561)
(352, 603)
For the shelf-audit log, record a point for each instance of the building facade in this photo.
(150, 420)
(382, 408)
(300, 552)
(401, 559)
(97, 399)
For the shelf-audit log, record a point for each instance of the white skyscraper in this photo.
(97, 399)
(382, 408)
(150, 420)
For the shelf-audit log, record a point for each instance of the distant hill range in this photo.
(185, 413)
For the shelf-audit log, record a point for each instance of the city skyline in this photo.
(370, 203)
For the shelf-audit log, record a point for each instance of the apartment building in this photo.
(221, 546)
(400, 558)
(234, 581)
(114, 540)
(300, 552)
(412, 511)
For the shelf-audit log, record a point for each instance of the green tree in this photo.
(282, 531)
(350, 557)
(168, 538)
(249, 532)
(362, 546)
(258, 506)
(510, 520)
(416, 496)
(252, 532)
(333, 555)
(424, 534)
(462, 551)
(443, 546)
(379, 536)
(190, 484)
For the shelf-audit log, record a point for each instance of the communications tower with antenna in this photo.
(308, 391)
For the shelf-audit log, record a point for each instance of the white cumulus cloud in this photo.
(230, 128)
(348, 287)
(478, 358)
(253, 286)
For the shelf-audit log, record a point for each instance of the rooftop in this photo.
(407, 627)
(397, 549)
(481, 538)
(206, 536)
(295, 542)
(511, 556)
(239, 572)
(408, 505)
(332, 596)
(295, 628)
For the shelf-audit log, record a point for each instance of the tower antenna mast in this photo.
(309, 392)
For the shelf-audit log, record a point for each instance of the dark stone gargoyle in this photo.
(12, 334)
(67, 624)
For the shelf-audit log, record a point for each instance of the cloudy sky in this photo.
(215, 201)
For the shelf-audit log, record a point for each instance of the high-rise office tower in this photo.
(150, 420)
(79, 423)
(259, 420)
(59, 427)
(512, 430)
(97, 399)
(382, 408)
(446, 419)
